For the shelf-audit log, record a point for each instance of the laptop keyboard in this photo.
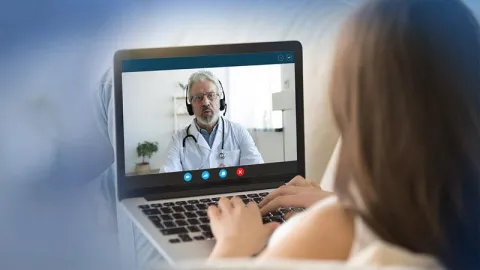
(186, 221)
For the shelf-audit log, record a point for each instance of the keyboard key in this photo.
(193, 201)
(166, 217)
(208, 235)
(152, 218)
(216, 199)
(201, 206)
(169, 224)
(242, 196)
(156, 205)
(258, 200)
(190, 214)
(178, 216)
(174, 241)
(172, 231)
(185, 237)
(205, 228)
(263, 194)
(193, 228)
(151, 212)
(168, 204)
(245, 201)
(158, 224)
(205, 200)
(276, 214)
(181, 203)
(199, 238)
(266, 220)
(144, 206)
(181, 223)
(178, 209)
(277, 219)
(193, 221)
(202, 213)
(190, 208)
(166, 210)
(204, 220)
(253, 195)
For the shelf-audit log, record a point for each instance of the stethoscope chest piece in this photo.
(222, 155)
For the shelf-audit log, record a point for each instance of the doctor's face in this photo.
(205, 102)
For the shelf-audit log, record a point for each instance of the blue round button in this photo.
(222, 173)
(187, 177)
(205, 175)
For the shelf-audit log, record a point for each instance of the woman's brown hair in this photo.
(405, 94)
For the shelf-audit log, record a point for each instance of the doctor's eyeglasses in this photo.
(210, 95)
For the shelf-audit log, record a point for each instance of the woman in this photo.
(405, 97)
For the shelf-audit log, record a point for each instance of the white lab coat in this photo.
(239, 149)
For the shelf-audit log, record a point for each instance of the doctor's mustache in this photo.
(206, 107)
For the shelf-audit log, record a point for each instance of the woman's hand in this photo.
(299, 192)
(238, 228)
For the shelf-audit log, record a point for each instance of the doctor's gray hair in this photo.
(203, 75)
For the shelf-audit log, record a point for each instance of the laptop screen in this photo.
(211, 118)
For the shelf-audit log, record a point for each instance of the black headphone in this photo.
(223, 104)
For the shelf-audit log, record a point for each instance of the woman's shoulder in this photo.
(316, 211)
(323, 231)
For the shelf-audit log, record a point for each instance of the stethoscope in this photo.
(222, 153)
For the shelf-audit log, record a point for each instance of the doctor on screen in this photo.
(210, 141)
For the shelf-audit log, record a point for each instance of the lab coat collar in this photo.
(201, 140)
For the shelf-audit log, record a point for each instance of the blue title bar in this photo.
(208, 61)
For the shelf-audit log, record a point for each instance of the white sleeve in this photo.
(173, 162)
(249, 154)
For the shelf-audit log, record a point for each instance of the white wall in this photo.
(290, 113)
(269, 143)
(250, 89)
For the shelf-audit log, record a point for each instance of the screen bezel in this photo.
(150, 188)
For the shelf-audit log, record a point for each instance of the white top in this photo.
(368, 253)
(276, 264)
(367, 248)
(238, 149)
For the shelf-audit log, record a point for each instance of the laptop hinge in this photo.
(211, 191)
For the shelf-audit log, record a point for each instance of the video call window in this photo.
(189, 119)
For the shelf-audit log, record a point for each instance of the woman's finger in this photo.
(225, 205)
(213, 212)
(281, 191)
(282, 201)
(298, 181)
(313, 183)
(253, 205)
(237, 202)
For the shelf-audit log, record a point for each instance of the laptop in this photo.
(162, 120)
